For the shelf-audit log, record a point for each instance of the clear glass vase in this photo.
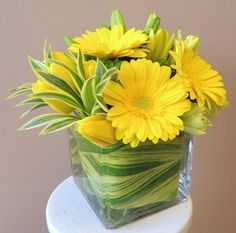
(122, 184)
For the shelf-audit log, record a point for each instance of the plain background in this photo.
(32, 166)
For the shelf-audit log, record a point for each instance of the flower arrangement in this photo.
(120, 92)
(131, 85)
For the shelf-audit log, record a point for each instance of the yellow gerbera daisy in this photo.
(114, 42)
(201, 81)
(146, 102)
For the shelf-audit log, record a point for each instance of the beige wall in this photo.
(31, 166)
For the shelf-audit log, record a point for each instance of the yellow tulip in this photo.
(159, 44)
(57, 105)
(60, 71)
(98, 130)
(89, 68)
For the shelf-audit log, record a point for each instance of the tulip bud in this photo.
(192, 42)
(196, 120)
(89, 68)
(98, 130)
(153, 23)
(159, 45)
(117, 19)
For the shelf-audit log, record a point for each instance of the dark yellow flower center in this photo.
(142, 103)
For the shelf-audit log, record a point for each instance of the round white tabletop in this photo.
(68, 212)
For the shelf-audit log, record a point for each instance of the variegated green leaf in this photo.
(47, 52)
(58, 83)
(100, 71)
(24, 86)
(106, 77)
(19, 92)
(59, 125)
(80, 65)
(36, 65)
(54, 95)
(97, 110)
(31, 100)
(77, 80)
(33, 108)
(101, 103)
(44, 120)
(88, 94)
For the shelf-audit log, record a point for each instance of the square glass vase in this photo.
(122, 184)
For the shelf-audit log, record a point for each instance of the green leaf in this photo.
(98, 110)
(59, 125)
(153, 22)
(101, 103)
(106, 77)
(47, 52)
(88, 94)
(24, 86)
(35, 64)
(80, 65)
(44, 120)
(68, 40)
(77, 80)
(19, 92)
(33, 108)
(54, 95)
(31, 100)
(100, 70)
(117, 19)
(58, 83)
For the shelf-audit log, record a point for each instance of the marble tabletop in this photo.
(68, 212)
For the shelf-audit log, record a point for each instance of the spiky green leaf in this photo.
(88, 94)
(77, 80)
(23, 86)
(97, 110)
(101, 103)
(58, 83)
(47, 52)
(58, 125)
(54, 95)
(44, 120)
(106, 77)
(36, 65)
(19, 92)
(80, 65)
(99, 71)
(31, 100)
(33, 108)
